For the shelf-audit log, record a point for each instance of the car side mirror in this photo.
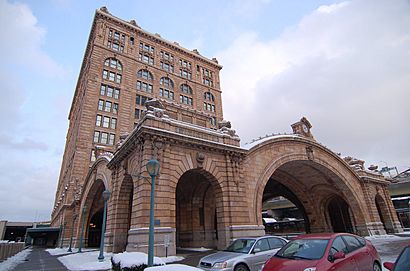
(256, 250)
(388, 265)
(339, 255)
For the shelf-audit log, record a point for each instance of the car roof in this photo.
(328, 235)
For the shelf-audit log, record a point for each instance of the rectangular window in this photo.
(137, 113)
(107, 106)
(111, 76)
(102, 90)
(118, 80)
(106, 122)
(116, 93)
(113, 123)
(105, 74)
(104, 138)
(115, 108)
(116, 35)
(96, 136)
(111, 139)
(110, 91)
(98, 120)
(101, 105)
(115, 46)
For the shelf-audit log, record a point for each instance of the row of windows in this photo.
(116, 35)
(109, 91)
(144, 86)
(185, 100)
(146, 59)
(104, 138)
(106, 122)
(185, 74)
(112, 76)
(146, 47)
(167, 56)
(115, 46)
(107, 106)
(166, 67)
(140, 100)
(209, 107)
(166, 93)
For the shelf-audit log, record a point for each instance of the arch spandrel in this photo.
(266, 158)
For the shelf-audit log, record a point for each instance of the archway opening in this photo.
(123, 215)
(304, 192)
(197, 208)
(282, 211)
(339, 215)
(94, 216)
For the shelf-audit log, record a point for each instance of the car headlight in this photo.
(310, 269)
(220, 265)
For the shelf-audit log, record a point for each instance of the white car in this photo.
(243, 254)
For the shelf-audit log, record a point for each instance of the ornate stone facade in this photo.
(210, 190)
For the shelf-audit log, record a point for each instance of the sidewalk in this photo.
(40, 260)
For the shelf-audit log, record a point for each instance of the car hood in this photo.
(283, 264)
(220, 257)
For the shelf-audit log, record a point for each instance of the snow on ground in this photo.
(128, 259)
(13, 261)
(86, 261)
(64, 250)
(173, 267)
(171, 259)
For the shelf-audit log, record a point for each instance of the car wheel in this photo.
(241, 267)
(376, 267)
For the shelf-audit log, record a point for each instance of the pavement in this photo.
(40, 260)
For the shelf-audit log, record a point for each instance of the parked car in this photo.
(327, 251)
(243, 254)
(402, 263)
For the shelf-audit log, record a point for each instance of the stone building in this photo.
(140, 97)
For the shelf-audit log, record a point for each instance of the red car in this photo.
(323, 252)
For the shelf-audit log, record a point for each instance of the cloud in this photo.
(346, 67)
(23, 39)
(7, 142)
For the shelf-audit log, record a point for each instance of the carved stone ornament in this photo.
(200, 158)
(309, 152)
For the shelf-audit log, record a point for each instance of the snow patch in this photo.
(171, 259)
(15, 260)
(173, 267)
(129, 259)
(198, 249)
(86, 261)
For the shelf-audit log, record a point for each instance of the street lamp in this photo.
(62, 235)
(71, 234)
(153, 170)
(105, 196)
(82, 229)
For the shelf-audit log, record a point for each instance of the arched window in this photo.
(209, 97)
(166, 82)
(186, 89)
(145, 74)
(113, 63)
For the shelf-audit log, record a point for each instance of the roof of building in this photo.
(403, 176)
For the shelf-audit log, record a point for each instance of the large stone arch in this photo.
(287, 152)
(91, 203)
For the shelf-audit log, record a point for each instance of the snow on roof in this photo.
(173, 267)
(269, 220)
(252, 144)
(129, 259)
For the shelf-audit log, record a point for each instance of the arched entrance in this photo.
(282, 211)
(339, 215)
(312, 187)
(94, 214)
(197, 205)
(123, 211)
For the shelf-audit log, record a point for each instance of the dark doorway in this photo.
(94, 229)
(339, 215)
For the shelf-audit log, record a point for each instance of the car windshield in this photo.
(403, 263)
(241, 245)
(304, 249)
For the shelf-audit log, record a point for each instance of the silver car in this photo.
(243, 254)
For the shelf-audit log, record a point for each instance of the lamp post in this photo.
(62, 235)
(153, 170)
(82, 229)
(71, 234)
(105, 196)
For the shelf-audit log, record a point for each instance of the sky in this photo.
(344, 65)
